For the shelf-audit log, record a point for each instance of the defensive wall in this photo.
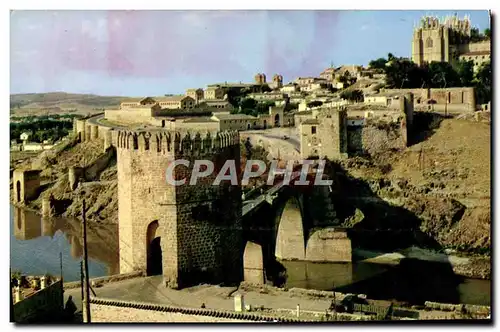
(449, 99)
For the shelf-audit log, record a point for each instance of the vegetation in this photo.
(250, 106)
(476, 36)
(347, 79)
(42, 128)
(402, 73)
(352, 95)
(314, 103)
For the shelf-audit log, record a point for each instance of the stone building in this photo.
(176, 102)
(277, 82)
(324, 135)
(288, 88)
(268, 96)
(217, 104)
(213, 92)
(447, 40)
(453, 100)
(260, 78)
(187, 233)
(196, 94)
(336, 132)
(328, 74)
(168, 102)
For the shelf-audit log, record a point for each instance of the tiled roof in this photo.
(170, 98)
(226, 116)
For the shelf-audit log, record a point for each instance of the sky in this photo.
(140, 53)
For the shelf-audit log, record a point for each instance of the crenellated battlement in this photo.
(177, 142)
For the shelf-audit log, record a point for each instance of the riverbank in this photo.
(259, 300)
(476, 267)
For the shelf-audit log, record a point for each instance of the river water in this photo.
(37, 243)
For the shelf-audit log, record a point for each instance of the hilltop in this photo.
(60, 102)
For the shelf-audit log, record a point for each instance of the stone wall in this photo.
(130, 115)
(199, 226)
(93, 170)
(456, 98)
(114, 311)
(45, 304)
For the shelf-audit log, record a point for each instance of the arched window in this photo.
(428, 42)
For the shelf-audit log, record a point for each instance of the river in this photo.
(36, 244)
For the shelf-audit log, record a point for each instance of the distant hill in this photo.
(60, 102)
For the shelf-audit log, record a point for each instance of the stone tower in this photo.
(277, 81)
(439, 40)
(187, 233)
(325, 135)
(260, 78)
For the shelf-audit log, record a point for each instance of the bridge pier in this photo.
(253, 264)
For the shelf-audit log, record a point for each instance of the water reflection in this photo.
(412, 281)
(36, 243)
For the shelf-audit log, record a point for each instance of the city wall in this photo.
(456, 99)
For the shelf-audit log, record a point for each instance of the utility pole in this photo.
(85, 285)
(12, 318)
(60, 267)
(82, 283)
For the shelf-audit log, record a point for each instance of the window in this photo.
(313, 130)
(428, 42)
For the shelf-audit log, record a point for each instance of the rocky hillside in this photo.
(101, 196)
(440, 184)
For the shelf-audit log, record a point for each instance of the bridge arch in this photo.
(153, 249)
(290, 232)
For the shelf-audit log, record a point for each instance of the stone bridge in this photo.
(290, 222)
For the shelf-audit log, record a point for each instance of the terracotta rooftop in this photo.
(170, 98)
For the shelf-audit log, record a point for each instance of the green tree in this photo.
(291, 106)
(487, 33)
(482, 83)
(378, 63)
(263, 107)
(314, 103)
(442, 74)
(248, 103)
(465, 71)
(352, 95)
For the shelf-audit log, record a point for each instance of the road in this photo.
(151, 289)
